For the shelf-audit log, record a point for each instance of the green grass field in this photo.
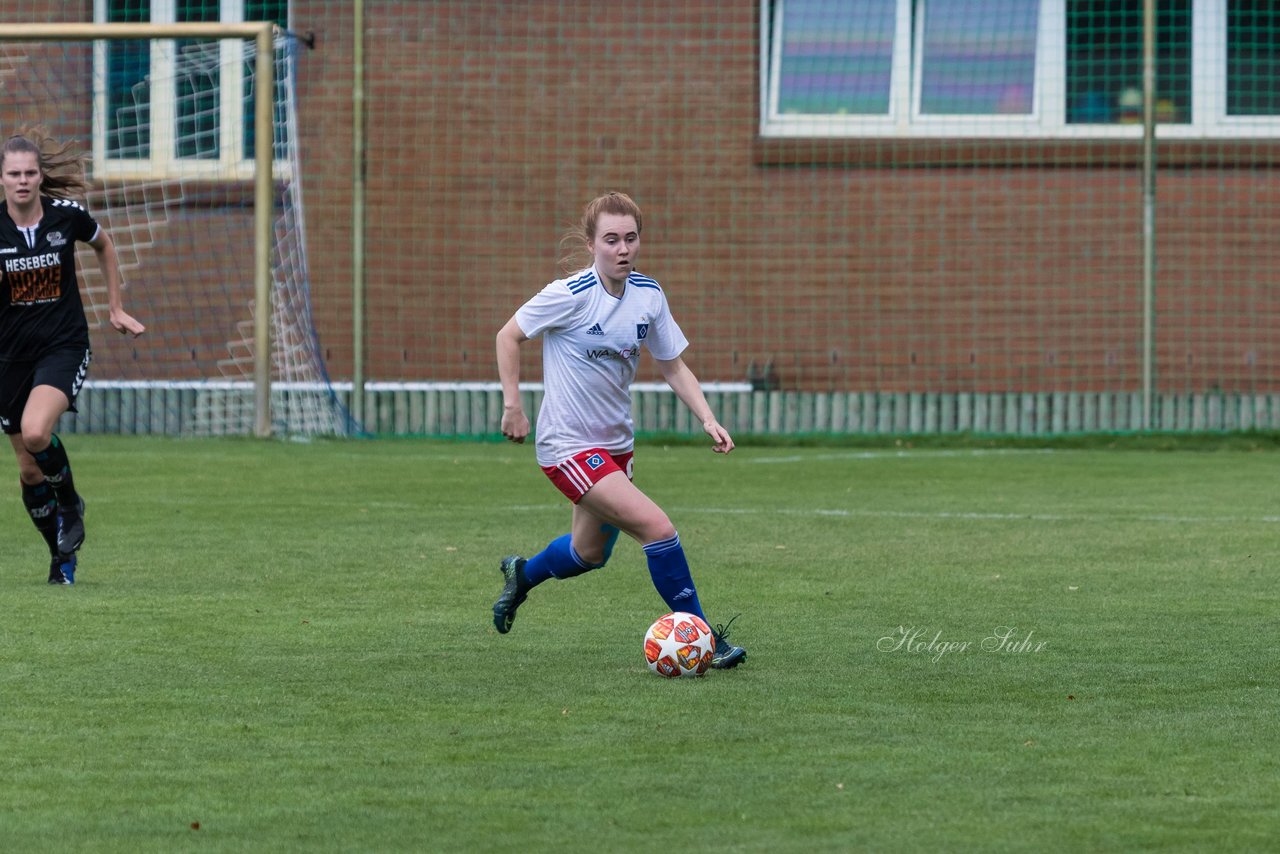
(285, 646)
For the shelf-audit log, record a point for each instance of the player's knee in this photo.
(658, 528)
(35, 439)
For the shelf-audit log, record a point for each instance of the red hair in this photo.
(578, 239)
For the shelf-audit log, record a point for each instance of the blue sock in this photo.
(670, 573)
(557, 560)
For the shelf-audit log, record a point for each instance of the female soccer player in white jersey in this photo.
(593, 325)
(44, 335)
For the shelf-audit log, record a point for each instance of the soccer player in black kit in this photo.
(44, 335)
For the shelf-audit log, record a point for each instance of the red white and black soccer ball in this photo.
(679, 644)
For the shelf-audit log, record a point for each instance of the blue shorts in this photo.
(65, 370)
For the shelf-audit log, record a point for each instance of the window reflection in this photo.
(837, 56)
(979, 58)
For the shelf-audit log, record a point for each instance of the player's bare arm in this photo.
(515, 424)
(121, 320)
(689, 390)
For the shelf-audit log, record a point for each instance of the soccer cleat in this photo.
(62, 571)
(726, 655)
(514, 591)
(71, 528)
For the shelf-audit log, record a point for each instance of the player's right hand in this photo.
(515, 425)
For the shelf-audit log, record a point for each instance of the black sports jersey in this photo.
(40, 306)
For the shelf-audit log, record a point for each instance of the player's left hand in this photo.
(125, 324)
(723, 441)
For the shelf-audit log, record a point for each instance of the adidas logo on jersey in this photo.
(595, 330)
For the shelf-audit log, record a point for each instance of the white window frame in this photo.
(1047, 119)
(230, 165)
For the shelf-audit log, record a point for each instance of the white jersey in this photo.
(591, 343)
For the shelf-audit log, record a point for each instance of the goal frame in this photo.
(262, 33)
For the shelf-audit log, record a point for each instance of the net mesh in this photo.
(178, 204)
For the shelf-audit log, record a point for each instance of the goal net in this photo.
(168, 124)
